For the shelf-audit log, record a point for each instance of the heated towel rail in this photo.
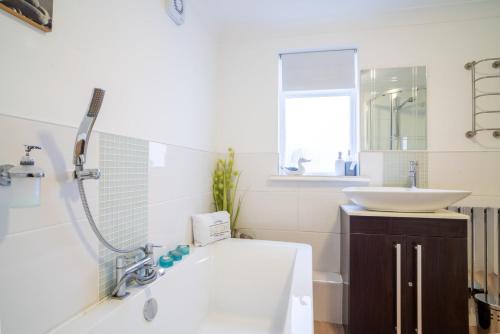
(480, 94)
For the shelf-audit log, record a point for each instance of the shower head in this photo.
(86, 126)
(408, 100)
(392, 91)
(96, 103)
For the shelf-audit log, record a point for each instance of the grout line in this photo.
(493, 150)
(62, 125)
(43, 228)
(299, 190)
(282, 230)
(482, 150)
(169, 201)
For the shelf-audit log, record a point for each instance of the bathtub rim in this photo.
(300, 303)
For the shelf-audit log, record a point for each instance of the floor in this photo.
(328, 328)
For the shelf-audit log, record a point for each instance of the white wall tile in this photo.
(325, 246)
(319, 212)
(48, 276)
(256, 168)
(327, 187)
(166, 221)
(60, 201)
(269, 210)
(474, 171)
(170, 222)
(326, 250)
(65, 210)
(480, 201)
(185, 173)
(372, 166)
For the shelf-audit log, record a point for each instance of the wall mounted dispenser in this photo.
(24, 180)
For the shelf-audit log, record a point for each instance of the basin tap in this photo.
(412, 173)
(142, 272)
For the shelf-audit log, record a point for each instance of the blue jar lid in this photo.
(176, 255)
(183, 249)
(165, 261)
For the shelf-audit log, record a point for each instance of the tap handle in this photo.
(149, 248)
(413, 165)
(29, 148)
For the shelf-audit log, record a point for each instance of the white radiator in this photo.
(483, 250)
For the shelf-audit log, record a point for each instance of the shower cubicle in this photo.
(394, 105)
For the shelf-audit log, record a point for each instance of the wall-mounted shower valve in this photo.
(88, 174)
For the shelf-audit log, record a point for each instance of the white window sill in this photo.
(344, 180)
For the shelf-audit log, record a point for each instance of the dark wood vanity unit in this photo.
(404, 273)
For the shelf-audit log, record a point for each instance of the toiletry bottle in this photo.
(351, 166)
(339, 166)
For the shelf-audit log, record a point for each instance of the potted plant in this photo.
(225, 179)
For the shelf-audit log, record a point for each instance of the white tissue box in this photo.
(211, 227)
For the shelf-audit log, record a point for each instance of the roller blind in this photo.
(319, 70)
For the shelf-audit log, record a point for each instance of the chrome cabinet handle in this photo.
(398, 288)
(418, 248)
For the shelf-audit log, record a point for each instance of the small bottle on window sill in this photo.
(339, 166)
(351, 166)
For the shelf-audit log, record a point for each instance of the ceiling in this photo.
(237, 15)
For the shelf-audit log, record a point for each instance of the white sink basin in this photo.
(404, 199)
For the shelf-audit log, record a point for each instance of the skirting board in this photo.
(327, 289)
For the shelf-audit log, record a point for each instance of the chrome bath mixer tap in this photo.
(412, 173)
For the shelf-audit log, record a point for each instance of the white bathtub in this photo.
(231, 287)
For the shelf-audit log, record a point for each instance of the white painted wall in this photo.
(248, 90)
(150, 68)
(159, 83)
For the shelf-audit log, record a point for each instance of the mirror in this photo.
(394, 109)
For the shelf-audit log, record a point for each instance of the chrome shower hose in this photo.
(93, 225)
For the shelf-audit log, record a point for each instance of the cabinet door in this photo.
(441, 306)
(373, 297)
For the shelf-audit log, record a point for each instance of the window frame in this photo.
(352, 92)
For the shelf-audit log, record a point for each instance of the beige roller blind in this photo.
(318, 70)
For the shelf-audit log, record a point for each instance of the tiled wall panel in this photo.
(123, 200)
(397, 164)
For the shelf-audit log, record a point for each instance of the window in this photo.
(318, 98)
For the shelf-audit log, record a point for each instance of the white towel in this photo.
(211, 227)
